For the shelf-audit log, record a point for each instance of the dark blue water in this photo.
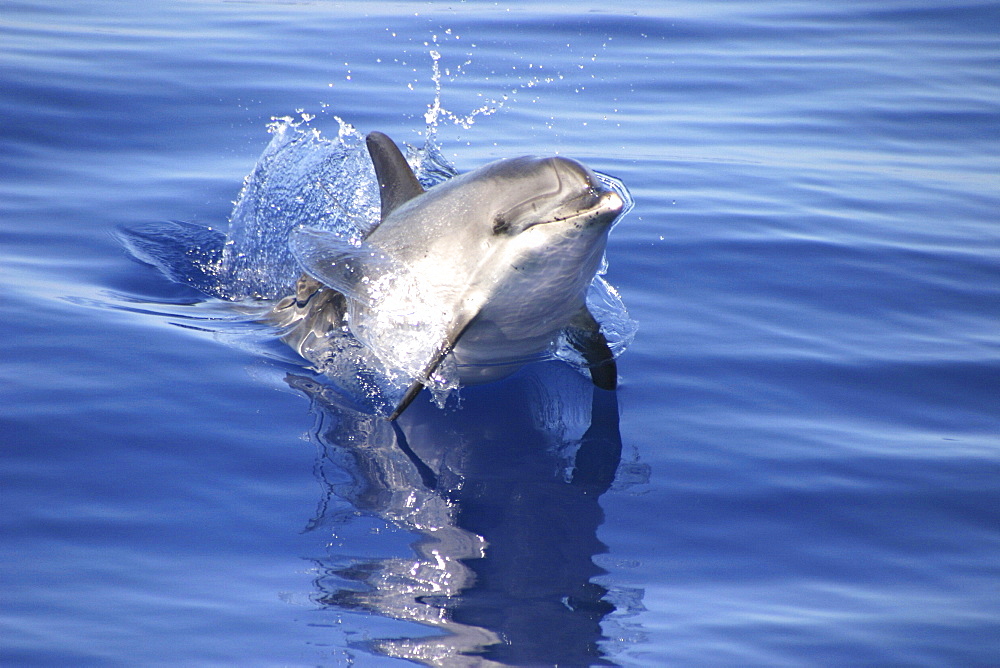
(802, 463)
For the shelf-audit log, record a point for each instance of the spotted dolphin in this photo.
(484, 271)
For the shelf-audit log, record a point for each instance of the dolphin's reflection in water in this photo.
(504, 494)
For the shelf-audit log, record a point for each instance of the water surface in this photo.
(800, 467)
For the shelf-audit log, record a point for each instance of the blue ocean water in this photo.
(799, 468)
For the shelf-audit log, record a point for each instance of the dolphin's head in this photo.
(549, 219)
(559, 193)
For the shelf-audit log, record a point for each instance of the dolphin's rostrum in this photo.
(480, 273)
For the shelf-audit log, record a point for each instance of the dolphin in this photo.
(482, 272)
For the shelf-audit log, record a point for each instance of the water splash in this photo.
(436, 113)
(301, 179)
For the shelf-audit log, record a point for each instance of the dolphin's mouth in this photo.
(581, 200)
(592, 205)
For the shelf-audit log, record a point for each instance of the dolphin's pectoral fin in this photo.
(337, 263)
(584, 334)
(407, 399)
(396, 181)
(458, 328)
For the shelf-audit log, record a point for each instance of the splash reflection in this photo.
(504, 496)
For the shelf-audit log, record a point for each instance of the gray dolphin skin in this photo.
(485, 270)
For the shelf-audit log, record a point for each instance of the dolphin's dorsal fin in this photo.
(396, 181)
(584, 334)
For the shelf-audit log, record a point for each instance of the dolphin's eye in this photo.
(500, 225)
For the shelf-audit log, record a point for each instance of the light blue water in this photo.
(809, 416)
